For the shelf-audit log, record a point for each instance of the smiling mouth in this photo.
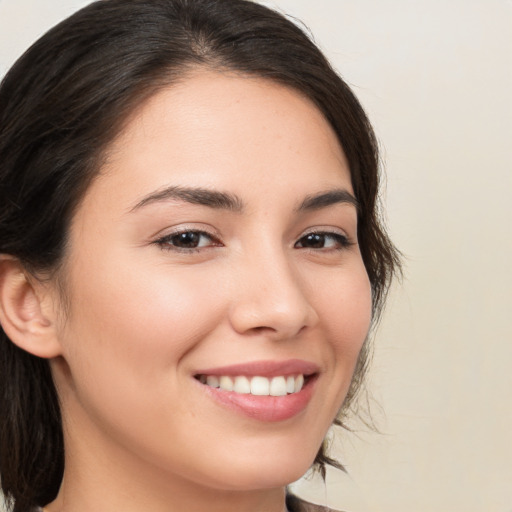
(280, 385)
(268, 391)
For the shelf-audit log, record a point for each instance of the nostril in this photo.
(262, 329)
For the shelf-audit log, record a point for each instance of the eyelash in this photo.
(342, 241)
(166, 242)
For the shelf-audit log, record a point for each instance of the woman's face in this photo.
(219, 241)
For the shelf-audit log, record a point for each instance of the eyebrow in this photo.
(328, 198)
(201, 196)
(228, 201)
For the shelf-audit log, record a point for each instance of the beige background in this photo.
(436, 79)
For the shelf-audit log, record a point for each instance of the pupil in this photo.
(189, 239)
(315, 240)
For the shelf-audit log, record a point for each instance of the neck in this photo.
(68, 501)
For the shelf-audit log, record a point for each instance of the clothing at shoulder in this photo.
(295, 504)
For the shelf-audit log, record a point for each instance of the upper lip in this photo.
(269, 368)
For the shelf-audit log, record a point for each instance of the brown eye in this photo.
(313, 241)
(187, 240)
(323, 241)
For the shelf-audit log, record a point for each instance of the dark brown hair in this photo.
(61, 105)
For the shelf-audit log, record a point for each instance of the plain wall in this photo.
(436, 80)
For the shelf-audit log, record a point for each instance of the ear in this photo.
(26, 310)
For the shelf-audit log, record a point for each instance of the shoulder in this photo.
(295, 504)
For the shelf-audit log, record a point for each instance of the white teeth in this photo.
(212, 381)
(290, 384)
(259, 386)
(278, 386)
(299, 382)
(242, 385)
(226, 383)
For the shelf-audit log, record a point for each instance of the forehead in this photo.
(229, 131)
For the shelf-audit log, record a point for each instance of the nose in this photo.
(271, 298)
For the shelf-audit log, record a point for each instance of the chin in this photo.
(270, 469)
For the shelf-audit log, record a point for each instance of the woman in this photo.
(191, 259)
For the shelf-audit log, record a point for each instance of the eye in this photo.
(187, 240)
(323, 240)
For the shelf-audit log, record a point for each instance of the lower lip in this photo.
(264, 408)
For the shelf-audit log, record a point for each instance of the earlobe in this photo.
(24, 314)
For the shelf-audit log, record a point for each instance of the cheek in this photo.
(355, 314)
(124, 344)
(130, 330)
(346, 308)
(153, 307)
(345, 305)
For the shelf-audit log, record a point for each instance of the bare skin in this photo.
(161, 286)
